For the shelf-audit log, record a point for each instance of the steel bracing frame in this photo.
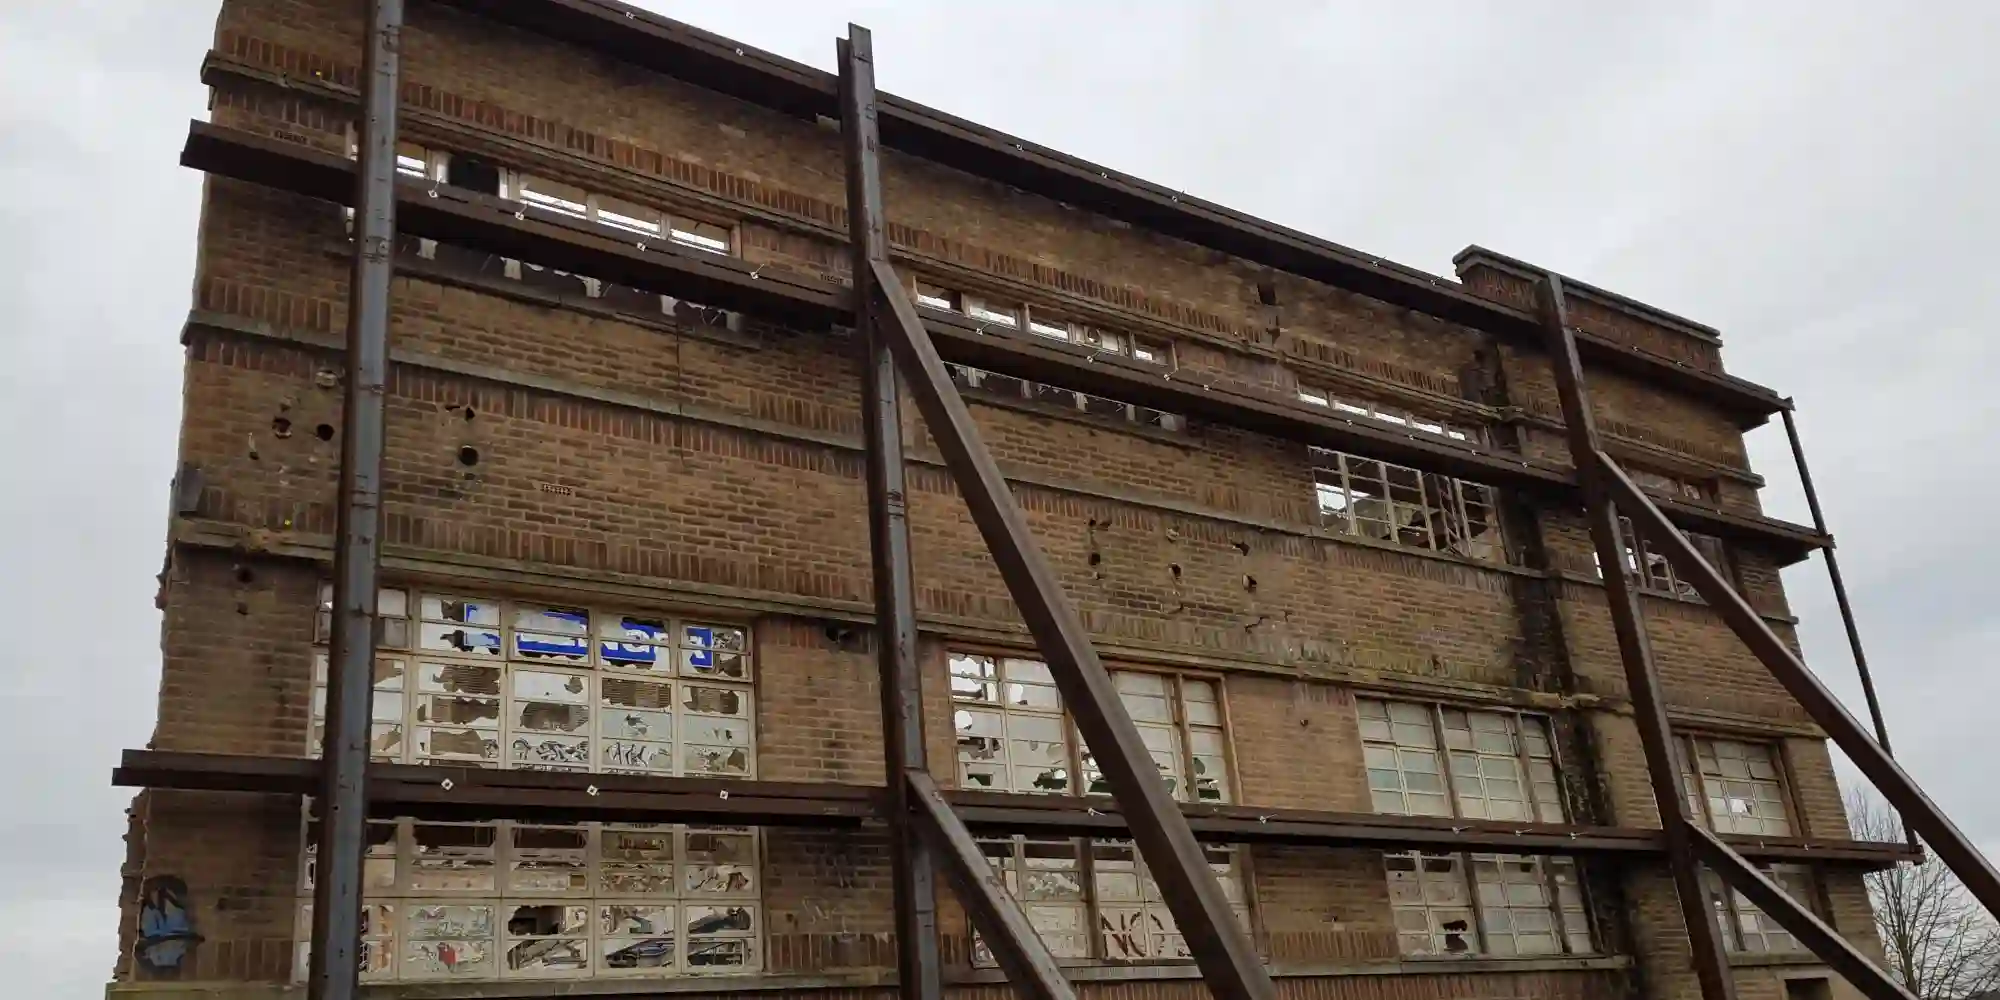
(898, 347)
(1608, 493)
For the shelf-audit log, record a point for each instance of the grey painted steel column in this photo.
(918, 965)
(1650, 714)
(343, 801)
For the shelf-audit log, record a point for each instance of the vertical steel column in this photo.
(1225, 954)
(1839, 585)
(918, 965)
(1649, 712)
(343, 802)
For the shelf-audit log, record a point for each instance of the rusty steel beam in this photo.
(919, 967)
(1821, 940)
(334, 963)
(1224, 952)
(1920, 814)
(1016, 947)
(1648, 707)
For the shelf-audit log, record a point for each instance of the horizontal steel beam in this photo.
(419, 790)
(1920, 814)
(507, 229)
(729, 67)
(1015, 943)
(1793, 916)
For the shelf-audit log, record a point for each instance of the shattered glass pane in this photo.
(714, 700)
(629, 643)
(974, 678)
(453, 858)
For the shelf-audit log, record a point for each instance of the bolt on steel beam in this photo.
(1649, 710)
(334, 970)
(919, 966)
(1223, 951)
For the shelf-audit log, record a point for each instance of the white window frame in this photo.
(414, 678)
(1745, 929)
(1406, 506)
(1095, 900)
(477, 889)
(1443, 902)
(1315, 395)
(1755, 800)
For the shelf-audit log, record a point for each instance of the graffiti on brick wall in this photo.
(167, 936)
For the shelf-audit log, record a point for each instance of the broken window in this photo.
(1744, 927)
(1405, 506)
(1648, 568)
(994, 384)
(515, 684)
(988, 311)
(936, 297)
(1321, 396)
(1668, 484)
(1737, 788)
(1439, 760)
(708, 236)
(1014, 736)
(1096, 900)
(473, 173)
(507, 900)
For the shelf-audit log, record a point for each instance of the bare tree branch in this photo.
(1937, 939)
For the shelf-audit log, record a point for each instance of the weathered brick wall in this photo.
(565, 442)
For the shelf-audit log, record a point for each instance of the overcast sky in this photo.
(1816, 180)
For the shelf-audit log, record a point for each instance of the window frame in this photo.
(1326, 397)
(1734, 912)
(1699, 799)
(1075, 748)
(509, 663)
(1090, 901)
(501, 867)
(1343, 475)
(1465, 863)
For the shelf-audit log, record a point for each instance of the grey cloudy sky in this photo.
(1814, 179)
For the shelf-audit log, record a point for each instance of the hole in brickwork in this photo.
(468, 456)
(1250, 583)
(324, 432)
(281, 427)
(470, 413)
(1096, 558)
(245, 574)
(1175, 569)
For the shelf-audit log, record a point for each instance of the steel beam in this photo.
(1648, 708)
(1821, 940)
(1920, 814)
(334, 971)
(1224, 952)
(919, 968)
(1016, 946)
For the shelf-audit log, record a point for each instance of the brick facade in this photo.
(545, 445)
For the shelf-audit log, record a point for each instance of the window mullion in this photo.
(1473, 905)
(1516, 721)
(1086, 869)
(1444, 760)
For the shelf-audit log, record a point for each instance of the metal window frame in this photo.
(1466, 858)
